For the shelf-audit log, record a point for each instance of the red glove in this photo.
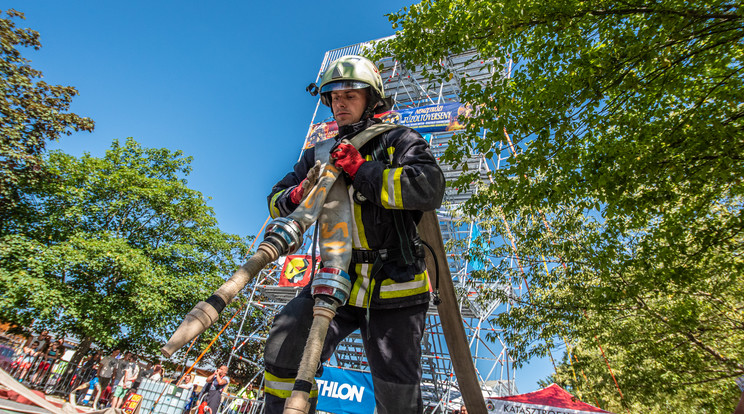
(348, 159)
(296, 194)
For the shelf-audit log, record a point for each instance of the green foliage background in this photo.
(115, 249)
(112, 250)
(33, 112)
(623, 192)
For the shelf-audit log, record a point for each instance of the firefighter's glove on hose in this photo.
(299, 192)
(347, 158)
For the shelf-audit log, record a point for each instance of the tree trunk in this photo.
(79, 354)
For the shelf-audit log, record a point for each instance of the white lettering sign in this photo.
(333, 389)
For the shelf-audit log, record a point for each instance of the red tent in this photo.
(549, 400)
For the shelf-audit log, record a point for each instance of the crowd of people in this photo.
(108, 378)
(35, 358)
(112, 375)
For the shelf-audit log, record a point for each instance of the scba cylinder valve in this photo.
(332, 283)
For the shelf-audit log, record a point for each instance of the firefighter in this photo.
(391, 180)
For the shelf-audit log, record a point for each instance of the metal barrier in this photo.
(55, 379)
(240, 405)
(61, 381)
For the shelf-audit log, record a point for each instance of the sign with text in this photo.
(498, 406)
(424, 119)
(344, 391)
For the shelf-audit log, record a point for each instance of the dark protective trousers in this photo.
(392, 342)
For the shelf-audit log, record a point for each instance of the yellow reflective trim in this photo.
(359, 292)
(391, 193)
(276, 392)
(271, 377)
(391, 289)
(384, 193)
(282, 387)
(273, 211)
(358, 238)
(390, 151)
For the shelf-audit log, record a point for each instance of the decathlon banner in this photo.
(296, 270)
(343, 391)
(424, 119)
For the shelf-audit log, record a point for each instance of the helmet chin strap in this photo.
(370, 111)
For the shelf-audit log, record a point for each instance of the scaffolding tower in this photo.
(477, 303)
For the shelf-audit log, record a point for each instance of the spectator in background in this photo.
(47, 361)
(121, 364)
(216, 383)
(129, 374)
(106, 369)
(27, 358)
(44, 341)
(157, 373)
(187, 383)
(142, 373)
(89, 364)
(250, 396)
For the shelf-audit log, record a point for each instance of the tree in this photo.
(33, 112)
(113, 250)
(626, 120)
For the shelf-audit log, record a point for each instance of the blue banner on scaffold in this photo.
(343, 391)
(424, 119)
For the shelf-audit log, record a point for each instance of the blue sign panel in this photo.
(345, 392)
(431, 118)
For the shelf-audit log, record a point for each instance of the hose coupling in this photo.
(333, 283)
(285, 234)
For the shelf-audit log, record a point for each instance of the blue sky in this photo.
(222, 81)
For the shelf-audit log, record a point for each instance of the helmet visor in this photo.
(343, 85)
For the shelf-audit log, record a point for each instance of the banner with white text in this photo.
(344, 391)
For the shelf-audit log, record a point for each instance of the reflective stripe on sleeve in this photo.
(273, 211)
(391, 289)
(390, 195)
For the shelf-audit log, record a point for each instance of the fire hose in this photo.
(327, 203)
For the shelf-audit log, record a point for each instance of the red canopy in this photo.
(548, 399)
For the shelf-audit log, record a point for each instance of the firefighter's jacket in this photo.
(399, 181)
